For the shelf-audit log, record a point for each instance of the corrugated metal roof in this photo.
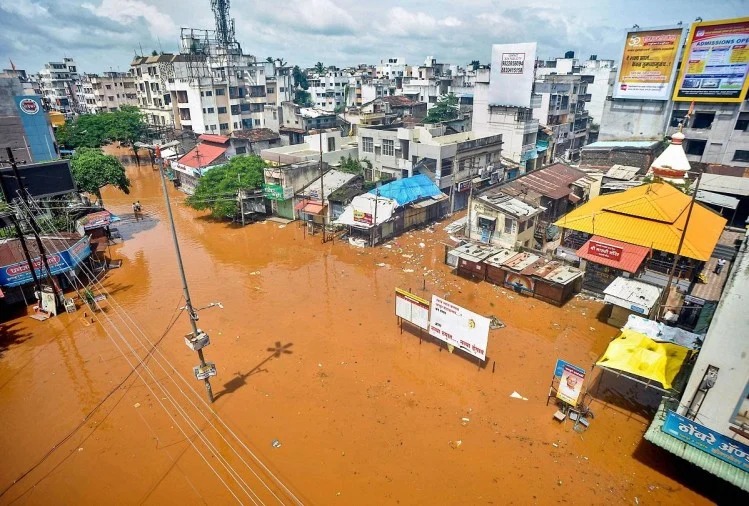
(717, 199)
(622, 172)
(619, 144)
(731, 185)
(712, 465)
(652, 216)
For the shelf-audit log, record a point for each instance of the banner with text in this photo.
(716, 62)
(512, 73)
(648, 64)
(459, 327)
(412, 308)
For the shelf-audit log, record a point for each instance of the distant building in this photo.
(61, 87)
(110, 90)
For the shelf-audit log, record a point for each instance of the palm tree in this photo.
(319, 68)
(270, 59)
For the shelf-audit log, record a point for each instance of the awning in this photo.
(717, 199)
(312, 208)
(612, 253)
(487, 218)
(637, 354)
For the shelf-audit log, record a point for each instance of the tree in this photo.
(95, 130)
(354, 165)
(217, 190)
(445, 109)
(300, 78)
(475, 64)
(270, 59)
(93, 170)
(303, 98)
(319, 68)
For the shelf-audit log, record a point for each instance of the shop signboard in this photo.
(19, 273)
(277, 192)
(412, 308)
(648, 64)
(459, 327)
(715, 63)
(709, 441)
(603, 250)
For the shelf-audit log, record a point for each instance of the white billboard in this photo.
(512, 74)
(459, 327)
(411, 308)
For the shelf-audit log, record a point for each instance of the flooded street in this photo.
(309, 353)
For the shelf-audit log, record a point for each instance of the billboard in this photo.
(648, 64)
(570, 382)
(40, 179)
(59, 262)
(39, 139)
(412, 308)
(715, 63)
(459, 327)
(512, 74)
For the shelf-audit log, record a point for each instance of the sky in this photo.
(104, 35)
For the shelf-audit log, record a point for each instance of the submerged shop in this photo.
(64, 253)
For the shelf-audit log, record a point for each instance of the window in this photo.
(236, 125)
(741, 155)
(488, 158)
(509, 225)
(695, 147)
(257, 122)
(235, 109)
(111, 99)
(224, 126)
(241, 150)
(204, 110)
(702, 120)
(388, 147)
(184, 114)
(222, 110)
(108, 86)
(213, 127)
(219, 91)
(244, 107)
(271, 90)
(210, 110)
(209, 93)
(367, 144)
(182, 97)
(743, 122)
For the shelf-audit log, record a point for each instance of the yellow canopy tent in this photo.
(637, 354)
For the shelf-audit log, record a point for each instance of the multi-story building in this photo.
(330, 91)
(454, 162)
(716, 132)
(604, 75)
(152, 74)
(60, 85)
(109, 91)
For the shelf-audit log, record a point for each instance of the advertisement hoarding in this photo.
(412, 308)
(709, 441)
(59, 262)
(362, 217)
(512, 74)
(40, 180)
(570, 383)
(459, 327)
(715, 63)
(648, 64)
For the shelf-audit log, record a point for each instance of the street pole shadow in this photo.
(240, 379)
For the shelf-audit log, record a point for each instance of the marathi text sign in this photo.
(716, 62)
(707, 440)
(603, 250)
(19, 273)
(648, 64)
(411, 308)
(277, 192)
(570, 383)
(459, 327)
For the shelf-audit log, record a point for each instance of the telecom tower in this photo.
(224, 24)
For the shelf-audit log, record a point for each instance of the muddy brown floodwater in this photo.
(309, 354)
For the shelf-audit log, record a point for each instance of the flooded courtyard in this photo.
(320, 398)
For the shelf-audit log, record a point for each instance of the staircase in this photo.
(725, 252)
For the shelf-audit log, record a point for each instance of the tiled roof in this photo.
(399, 101)
(11, 251)
(202, 155)
(256, 134)
(220, 139)
(652, 216)
(553, 181)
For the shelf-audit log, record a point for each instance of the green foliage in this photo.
(300, 78)
(303, 98)
(93, 170)
(475, 64)
(445, 109)
(96, 130)
(354, 165)
(320, 68)
(217, 190)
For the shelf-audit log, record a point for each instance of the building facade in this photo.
(61, 87)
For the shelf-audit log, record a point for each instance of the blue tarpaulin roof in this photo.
(407, 190)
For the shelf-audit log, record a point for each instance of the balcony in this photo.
(584, 98)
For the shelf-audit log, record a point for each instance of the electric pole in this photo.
(198, 339)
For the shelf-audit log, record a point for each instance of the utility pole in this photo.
(322, 189)
(241, 197)
(34, 229)
(198, 339)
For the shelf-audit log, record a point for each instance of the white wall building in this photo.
(61, 86)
